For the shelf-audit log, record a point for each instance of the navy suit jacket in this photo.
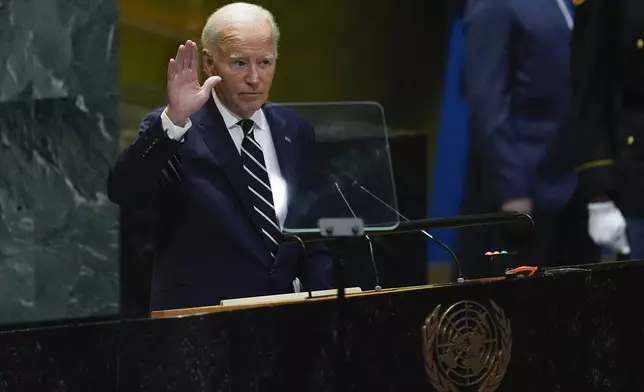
(518, 90)
(209, 242)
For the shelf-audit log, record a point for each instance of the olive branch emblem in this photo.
(491, 369)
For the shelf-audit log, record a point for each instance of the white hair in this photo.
(236, 13)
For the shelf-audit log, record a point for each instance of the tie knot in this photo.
(246, 125)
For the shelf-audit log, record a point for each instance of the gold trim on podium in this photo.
(198, 311)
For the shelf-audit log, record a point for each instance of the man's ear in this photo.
(206, 60)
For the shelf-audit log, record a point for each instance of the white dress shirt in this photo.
(262, 133)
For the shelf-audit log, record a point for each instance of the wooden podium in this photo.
(275, 300)
(296, 298)
(579, 330)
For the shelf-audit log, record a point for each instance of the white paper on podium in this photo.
(290, 297)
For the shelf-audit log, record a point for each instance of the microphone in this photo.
(304, 256)
(459, 270)
(373, 259)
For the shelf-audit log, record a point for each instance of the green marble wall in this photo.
(58, 137)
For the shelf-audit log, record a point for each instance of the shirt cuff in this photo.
(174, 132)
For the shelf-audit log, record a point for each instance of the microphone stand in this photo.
(343, 231)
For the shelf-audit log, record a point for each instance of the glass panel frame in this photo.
(350, 168)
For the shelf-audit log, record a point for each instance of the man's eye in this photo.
(239, 63)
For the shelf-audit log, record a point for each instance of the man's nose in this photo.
(252, 77)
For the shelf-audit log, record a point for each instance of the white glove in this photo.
(607, 227)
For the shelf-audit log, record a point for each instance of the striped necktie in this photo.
(260, 187)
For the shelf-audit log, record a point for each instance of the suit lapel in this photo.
(217, 138)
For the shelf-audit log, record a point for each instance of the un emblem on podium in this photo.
(467, 347)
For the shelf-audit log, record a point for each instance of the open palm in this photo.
(185, 95)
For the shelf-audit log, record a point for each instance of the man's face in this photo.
(245, 61)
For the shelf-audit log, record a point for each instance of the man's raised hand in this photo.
(185, 95)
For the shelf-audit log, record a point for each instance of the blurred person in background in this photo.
(517, 88)
(608, 118)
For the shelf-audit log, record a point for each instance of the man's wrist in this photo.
(176, 119)
(173, 131)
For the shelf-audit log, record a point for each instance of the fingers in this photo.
(184, 57)
(210, 83)
(176, 64)
(187, 56)
(179, 57)
(172, 70)
(194, 56)
(618, 243)
(620, 240)
(518, 205)
(190, 60)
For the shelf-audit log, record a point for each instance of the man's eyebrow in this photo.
(237, 56)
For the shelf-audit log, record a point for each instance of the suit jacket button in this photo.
(272, 272)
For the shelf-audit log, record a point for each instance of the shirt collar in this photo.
(231, 119)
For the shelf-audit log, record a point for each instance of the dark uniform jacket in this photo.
(517, 87)
(607, 73)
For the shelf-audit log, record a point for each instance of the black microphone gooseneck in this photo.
(304, 261)
(373, 259)
(459, 277)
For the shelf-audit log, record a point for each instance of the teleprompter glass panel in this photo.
(350, 168)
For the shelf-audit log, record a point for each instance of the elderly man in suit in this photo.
(220, 165)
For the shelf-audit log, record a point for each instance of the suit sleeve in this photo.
(316, 269)
(316, 263)
(488, 25)
(593, 74)
(146, 165)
